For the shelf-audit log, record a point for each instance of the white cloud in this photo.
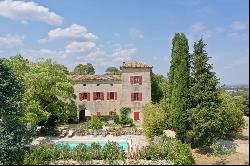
(75, 31)
(120, 55)
(220, 29)
(24, 11)
(79, 47)
(136, 33)
(237, 25)
(197, 27)
(10, 41)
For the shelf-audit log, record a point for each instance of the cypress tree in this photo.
(179, 95)
(204, 120)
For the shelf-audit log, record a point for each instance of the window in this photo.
(136, 79)
(136, 116)
(136, 96)
(97, 84)
(111, 84)
(110, 113)
(85, 96)
(84, 84)
(111, 95)
(98, 95)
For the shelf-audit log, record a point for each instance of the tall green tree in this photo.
(86, 69)
(205, 96)
(13, 134)
(113, 70)
(179, 84)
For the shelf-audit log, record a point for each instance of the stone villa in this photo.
(105, 94)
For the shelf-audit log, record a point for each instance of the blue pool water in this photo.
(73, 144)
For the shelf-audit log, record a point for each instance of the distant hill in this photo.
(235, 87)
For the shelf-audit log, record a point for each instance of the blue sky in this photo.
(106, 33)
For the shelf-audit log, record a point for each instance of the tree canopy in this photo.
(86, 69)
(113, 71)
(49, 95)
(13, 134)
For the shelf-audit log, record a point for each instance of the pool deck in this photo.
(135, 141)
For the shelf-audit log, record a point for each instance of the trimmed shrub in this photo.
(106, 118)
(124, 119)
(81, 153)
(154, 120)
(112, 152)
(168, 149)
(95, 151)
(94, 124)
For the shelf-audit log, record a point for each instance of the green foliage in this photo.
(112, 152)
(204, 91)
(94, 124)
(179, 95)
(241, 100)
(86, 69)
(168, 149)
(154, 120)
(231, 118)
(159, 88)
(105, 118)
(124, 119)
(95, 151)
(113, 70)
(213, 115)
(42, 155)
(49, 96)
(81, 153)
(13, 134)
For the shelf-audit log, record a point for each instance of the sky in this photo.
(109, 32)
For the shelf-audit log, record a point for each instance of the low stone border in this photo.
(102, 162)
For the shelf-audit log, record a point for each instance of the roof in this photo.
(95, 77)
(136, 64)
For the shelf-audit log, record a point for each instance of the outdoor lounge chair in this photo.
(72, 134)
(63, 134)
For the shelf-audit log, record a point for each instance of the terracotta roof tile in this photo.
(136, 64)
(96, 77)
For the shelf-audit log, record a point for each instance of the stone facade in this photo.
(102, 94)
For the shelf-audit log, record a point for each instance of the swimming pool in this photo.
(73, 144)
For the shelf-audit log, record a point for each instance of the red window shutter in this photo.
(108, 95)
(110, 113)
(94, 95)
(88, 96)
(132, 96)
(131, 79)
(115, 95)
(98, 113)
(80, 96)
(136, 116)
(140, 80)
(140, 96)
